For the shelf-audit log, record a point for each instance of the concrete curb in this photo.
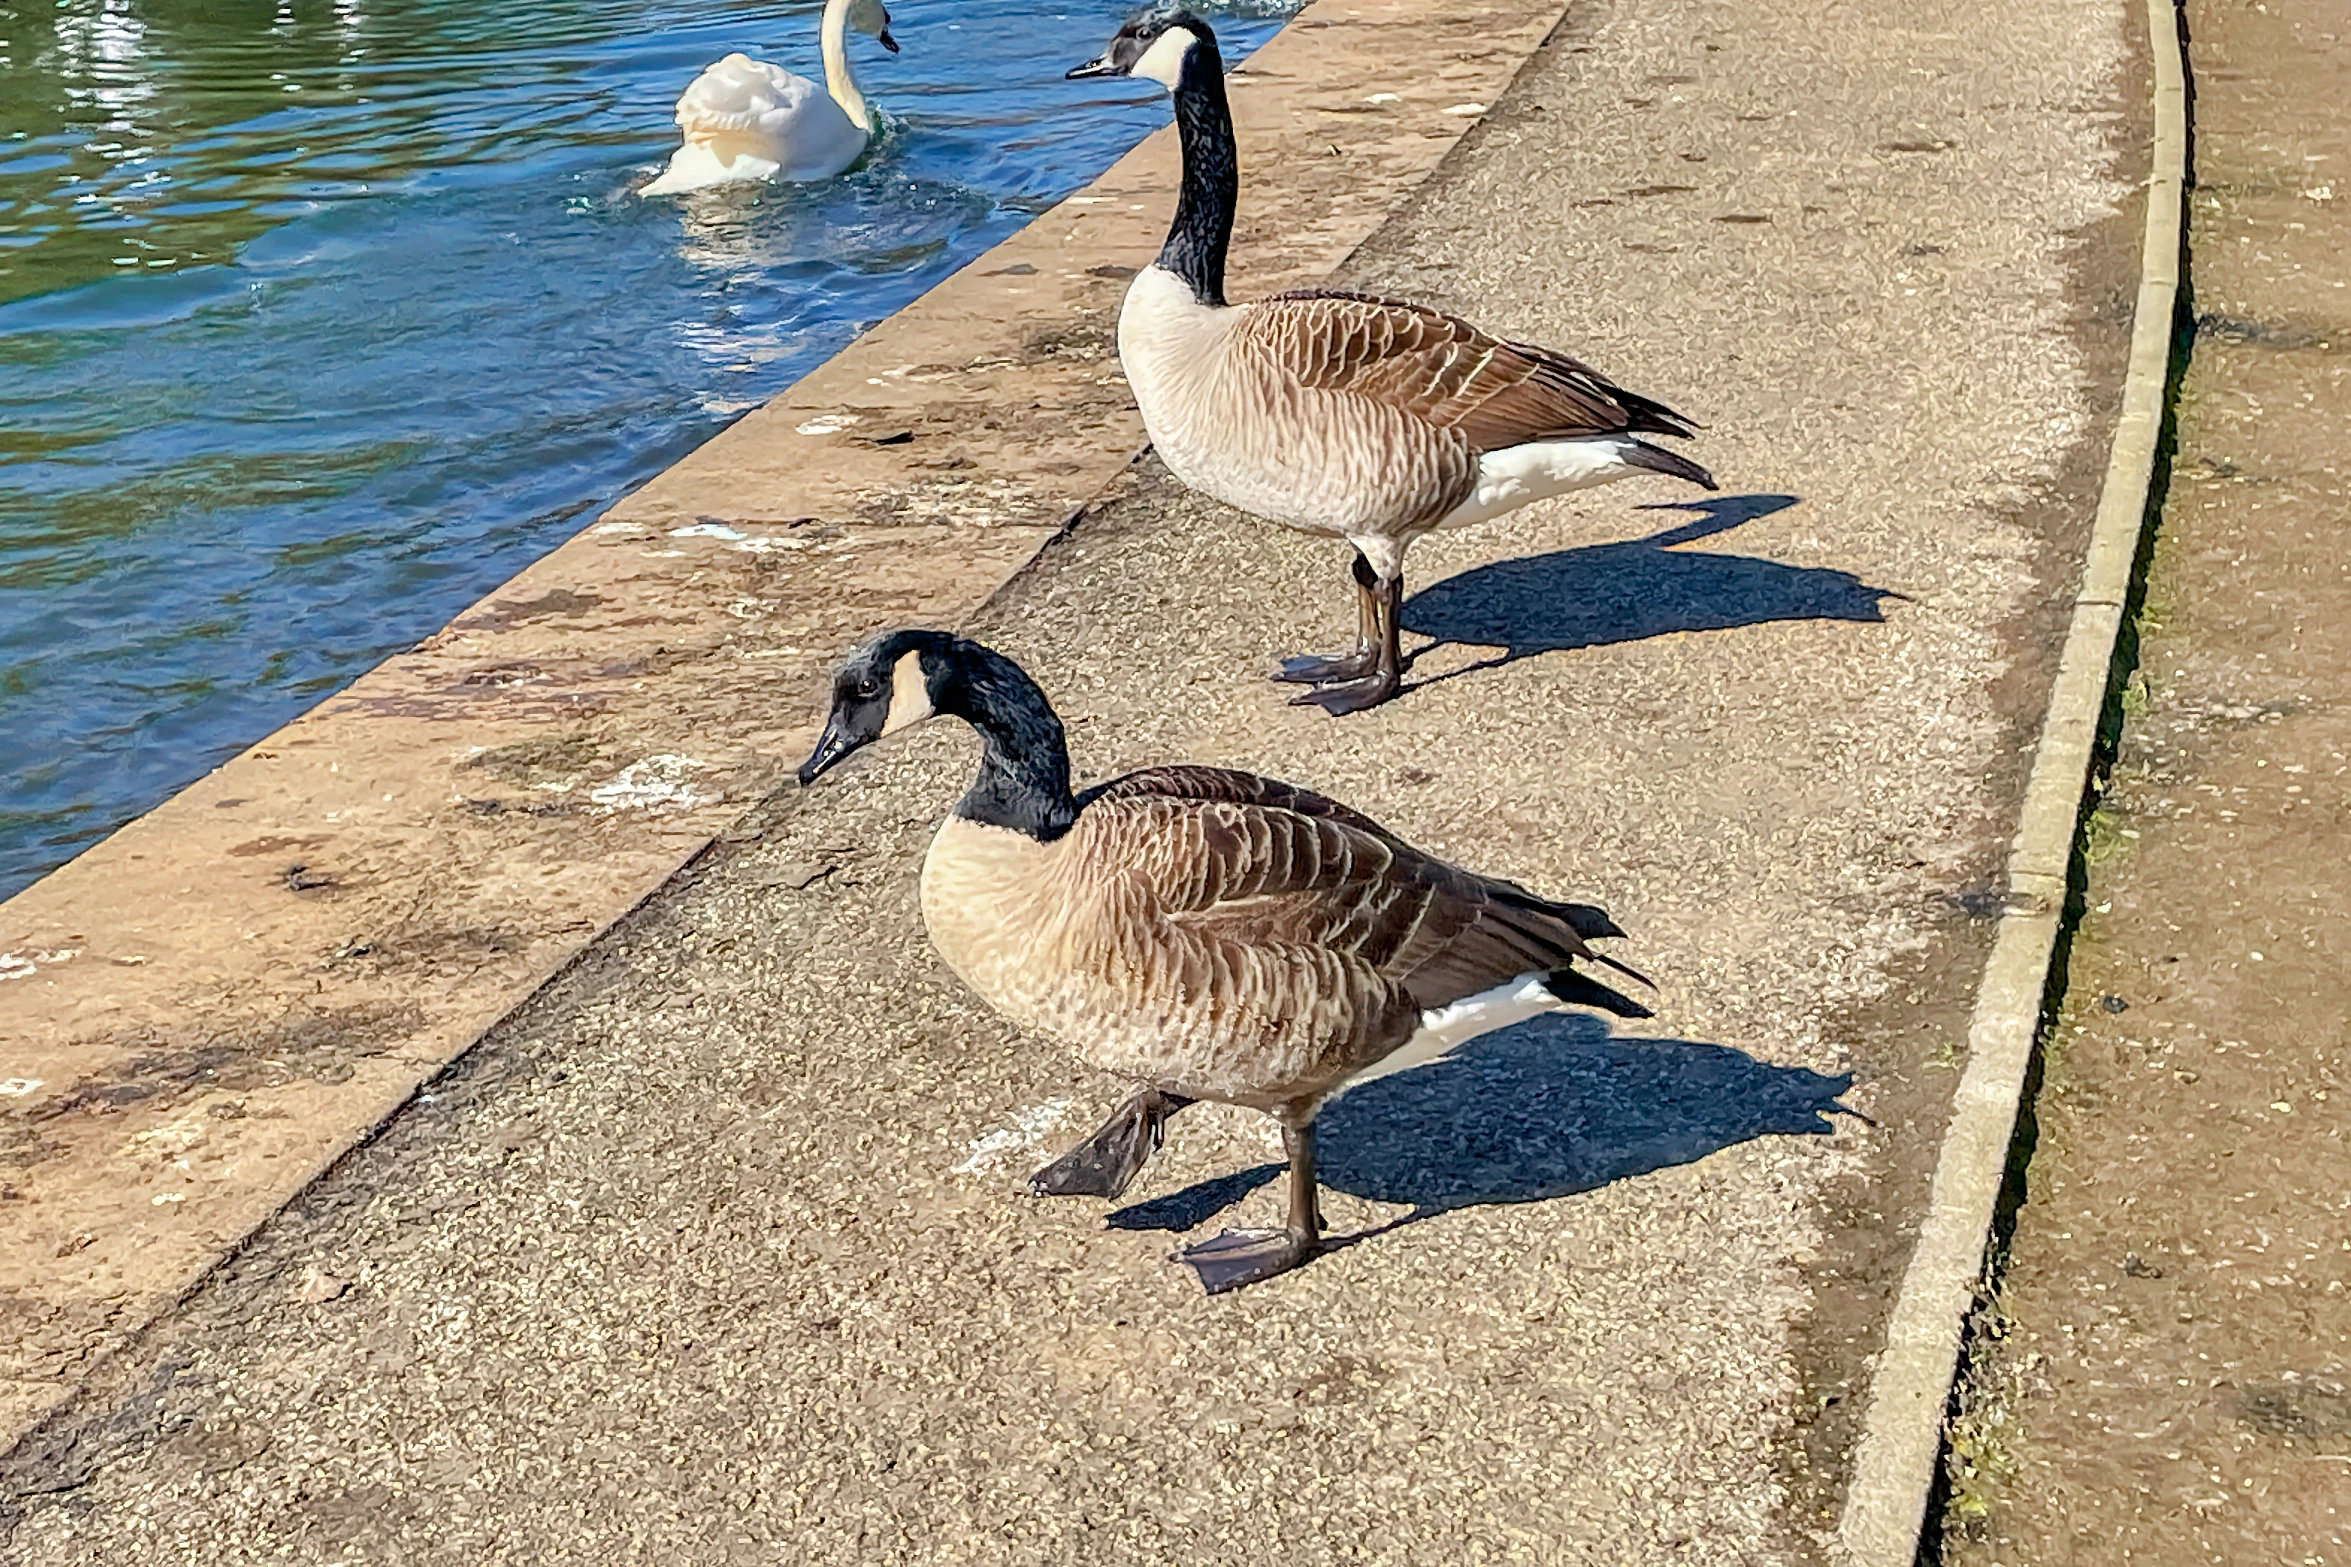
(1894, 1465)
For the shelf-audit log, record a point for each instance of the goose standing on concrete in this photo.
(1341, 414)
(746, 120)
(1205, 934)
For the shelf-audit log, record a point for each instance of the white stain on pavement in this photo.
(656, 783)
(1026, 1129)
(24, 965)
(748, 543)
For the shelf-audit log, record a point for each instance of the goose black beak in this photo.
(1104, 66)
(887, 41)
(830, 749)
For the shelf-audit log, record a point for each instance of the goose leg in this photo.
(1385, 676)
(1239, 1257)
(1308, 670)
(1105, 1163)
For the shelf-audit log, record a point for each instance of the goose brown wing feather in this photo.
(1238, 788)
(1269, 866)
(1192, 782)
(1439, 369)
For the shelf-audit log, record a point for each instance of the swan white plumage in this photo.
(747, 120)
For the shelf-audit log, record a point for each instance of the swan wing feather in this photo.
(742, 94)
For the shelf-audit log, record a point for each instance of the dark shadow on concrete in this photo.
(1607, 593)
(1548, 1108)
(1556, 1106)
(1196, 1204)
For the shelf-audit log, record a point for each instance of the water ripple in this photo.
(315, 325)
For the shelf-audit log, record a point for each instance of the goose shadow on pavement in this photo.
(1638, 588)
(1553, 1106)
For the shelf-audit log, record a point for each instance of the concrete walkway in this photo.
(713, 1252)
(2172, 1384)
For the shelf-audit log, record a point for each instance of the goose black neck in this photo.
(1203, 227)
(1023, 780)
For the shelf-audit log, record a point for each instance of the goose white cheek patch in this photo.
(910, 695)
(1163, 62)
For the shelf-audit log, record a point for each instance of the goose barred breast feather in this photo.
(1373, 419)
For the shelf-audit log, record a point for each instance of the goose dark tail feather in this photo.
(1658, 460)
(1625, 969)
(1587, 920)
(1582, 990)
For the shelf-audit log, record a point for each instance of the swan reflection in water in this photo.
(781, 265)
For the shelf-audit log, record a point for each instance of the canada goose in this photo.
(1342, 414)
(1206, 934)
(744, 119)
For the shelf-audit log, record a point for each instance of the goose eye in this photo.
(868, 689)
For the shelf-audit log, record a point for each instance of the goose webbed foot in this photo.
(1309, 670)
(1239, 1257)
(1374, 672)
(1352, 696)
(1105, 1164)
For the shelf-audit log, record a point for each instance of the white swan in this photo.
(747, 120)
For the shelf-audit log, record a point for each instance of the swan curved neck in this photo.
(1203, 227)
(1023, 780)
(839, 81)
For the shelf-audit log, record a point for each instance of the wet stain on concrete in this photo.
(505, 614)
(158, 1074)
(2303, 1409)
(2281, 336)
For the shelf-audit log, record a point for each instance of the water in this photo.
(317, 323)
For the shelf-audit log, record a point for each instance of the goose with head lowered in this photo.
(1203, 933)
(1341, 414)
(747, 120)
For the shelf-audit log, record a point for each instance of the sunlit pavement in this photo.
(715, 1252)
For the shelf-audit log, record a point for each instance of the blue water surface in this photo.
(319, 320)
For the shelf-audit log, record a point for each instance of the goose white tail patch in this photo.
(1446, 1029)
(1515, 475)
